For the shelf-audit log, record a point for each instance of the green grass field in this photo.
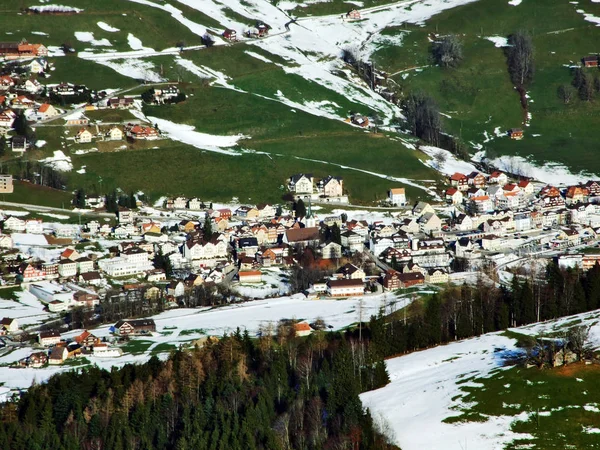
(25, 192)
(478, 96)
(559, 405)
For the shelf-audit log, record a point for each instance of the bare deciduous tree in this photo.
(566, 92)
(520, 58)
(439, 159)
(448, 52)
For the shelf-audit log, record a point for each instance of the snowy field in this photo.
(425, 386)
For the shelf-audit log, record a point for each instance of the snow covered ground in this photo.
(425, 386)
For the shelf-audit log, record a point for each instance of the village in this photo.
(182, 252)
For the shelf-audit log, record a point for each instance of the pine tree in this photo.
(207, 230)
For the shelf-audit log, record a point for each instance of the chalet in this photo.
(86, 299)
(48, 338)
(454, 196)
(19, 144)
(37, 359)
(58, 355)
(590, 61)
(86, 339)
(301, 184)
(459, 181)
(230, 35)
(84, 136)
(515, 133)
(593, 188)
(476, 179)
(345, 288)
(6, 82)
(397, 196)
(134, 327)
(391, 280)
(142, 133)
(120, 102)
(7, 117)
(353, 14)
(37, 65)
(22, 49)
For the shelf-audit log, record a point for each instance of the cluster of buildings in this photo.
(329, 189)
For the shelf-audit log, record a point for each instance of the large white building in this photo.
(130, 262)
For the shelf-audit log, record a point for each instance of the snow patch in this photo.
(107, 27)
(499, 41)
(59, 161)
(54, 9)
(86, 36)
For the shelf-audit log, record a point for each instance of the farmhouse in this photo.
(134, 327)
(58, 355)
(142, 133)
(302, 329)
(515, 133)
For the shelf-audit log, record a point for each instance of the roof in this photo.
(345, 283)
(302, 326)
(250, 273)
(452, 191)
(135, 323)
(302, 234)
(49, 334)
(524, 183)
(44, 107)
(397, 190)
(458, 176)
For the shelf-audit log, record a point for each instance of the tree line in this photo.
(274, 392)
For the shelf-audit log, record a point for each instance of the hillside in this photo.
(469, 394)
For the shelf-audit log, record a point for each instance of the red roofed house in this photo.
(250, 276)
(576, 194)
(143, 133)
(86, 339)
(459, 181)
(454, 196)
(302, 329)
(511, 187)
(526, 186)
(230, 35)
(498, 177)
(70, 253)
(46, 110)
(345, 288)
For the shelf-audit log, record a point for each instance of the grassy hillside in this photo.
(478, 96)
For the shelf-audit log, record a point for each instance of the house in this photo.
(84, 264)
(352, 241)
(301, 184)
(397, 196)
(9, 325)
(526, 187)
(498, 177)
(430, 223)
(576, 194)
(230, 35)
(134, 327)
(120, 102)
(165, 94)
(463, 222)
(422, 208)
(6, 119)
(86, 299)
(345, 288)
(410, 279)
(195, 204)
(93, 278)
(58, 355)
(6, 184)
(84, 136)
(248, 212)
(114, 134)
(6, 82)
(590, 61)
(331, 186)
(351, 272)
(48, 338)
(302, 329)
(481, 205)
(305, 236)
(46, 111)
(331, 250)
(515, 133)
(86, 339)
(37, 360)
(19, 144)
(454, 196)
(176, 289)
(436, 276)
(262, 28)
(67, 268)
(353, 14)
(250, 276)
(391, 280)
(476, 179)
(142, 133)
(37, 65)
(265, 210)
(14, 224)
(459, 181)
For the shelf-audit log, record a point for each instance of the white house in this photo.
(301, 184)
(34, 226)
(14, 224)
(345, 288)
(67, 268)
(84, 136)
(331, 250)
(397, 196)
(114, 134)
